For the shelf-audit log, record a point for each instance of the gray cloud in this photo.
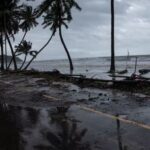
(89, 32)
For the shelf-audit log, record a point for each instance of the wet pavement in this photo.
(40, 115)
(24, 128)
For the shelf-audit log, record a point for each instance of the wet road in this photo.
(39, 115)
(66, 128)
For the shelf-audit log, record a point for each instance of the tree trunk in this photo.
(65, 47)
(2, 52)
(5, 58)
(39, 51)
(16, 51)
(112, 66)
(12, 52)
(23, 37)
(25, 58)
(6, 53)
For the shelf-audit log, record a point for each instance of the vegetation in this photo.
(16, 17)
(25, 48)
(56, 14)
(9, 25)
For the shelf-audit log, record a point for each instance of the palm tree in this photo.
(37, 14)
(39, 51)
(28, 21)
(23, 48)
(58, 14)
(9, 21)
(112, 66)
(28, 18)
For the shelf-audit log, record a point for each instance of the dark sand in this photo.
(49, 115)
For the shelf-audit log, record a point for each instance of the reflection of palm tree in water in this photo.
(67, 136)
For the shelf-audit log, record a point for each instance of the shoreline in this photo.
(24, 87)
(133, 86)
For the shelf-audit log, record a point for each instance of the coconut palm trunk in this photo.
(6, 62)
(25, 58)
(5, 59)
(2, 52)
(39, 51)
(112, 66)
(65, 47)
(16, 50)
(23, 37)
(12, 52)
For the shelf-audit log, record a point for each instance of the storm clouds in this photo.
(89, 32)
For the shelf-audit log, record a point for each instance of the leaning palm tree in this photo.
(112, 66)
(37, 14)
(58, 14)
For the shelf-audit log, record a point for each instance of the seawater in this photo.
(93, 67)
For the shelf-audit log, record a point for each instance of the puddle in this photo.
(66, 128)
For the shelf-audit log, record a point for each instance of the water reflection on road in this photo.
(64, 128)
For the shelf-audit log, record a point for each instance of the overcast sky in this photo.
(89, 32)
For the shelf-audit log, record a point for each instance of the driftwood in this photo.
(123, 71)
(129, 77)
(114, 81)
(126, 84)
(144, 71)
(74, 75)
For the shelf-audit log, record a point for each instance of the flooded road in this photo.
(37, 114)
(66, 128)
